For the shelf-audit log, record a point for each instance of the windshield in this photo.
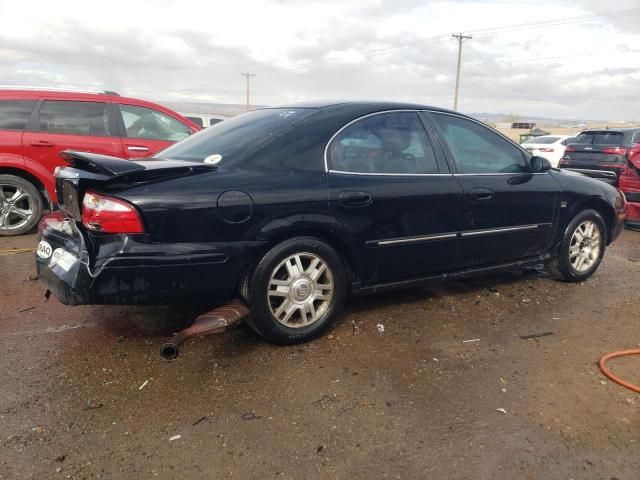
(599, 138)
(227, 138)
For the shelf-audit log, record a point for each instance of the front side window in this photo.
(393, 142)
(14, 114)
(213, 121)
(76, 118)
(146, 123)
(476, 149)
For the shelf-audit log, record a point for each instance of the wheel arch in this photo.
(601, 206)
(339, 242)
(24, 174)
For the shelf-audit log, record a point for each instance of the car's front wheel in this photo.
(582, 248)
(296, 290)
(20, 205)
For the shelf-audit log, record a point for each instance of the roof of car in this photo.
(621, 130)
(67, 94)
(381, 105)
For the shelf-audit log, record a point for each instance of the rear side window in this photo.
(394, 142)
(76, 118)
(476, 149)
(14, 114)
(599, 138)
(213, 121)
(146, 123)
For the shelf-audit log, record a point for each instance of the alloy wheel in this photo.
(300, 290)
(16, 207)
(585, 246)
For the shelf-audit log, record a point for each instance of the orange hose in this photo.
(611, 376)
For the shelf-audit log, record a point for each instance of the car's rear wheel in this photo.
(296, 290)
(582, 248)
(20, 205)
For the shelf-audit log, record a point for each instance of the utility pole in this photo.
(248, 77)
(461, 38)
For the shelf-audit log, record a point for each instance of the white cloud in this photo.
(387, 49)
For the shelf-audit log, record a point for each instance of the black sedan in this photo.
(294, 209)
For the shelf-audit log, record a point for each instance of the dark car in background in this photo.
(611, 155)
(294, 209)
(36, 125)
(602, 153)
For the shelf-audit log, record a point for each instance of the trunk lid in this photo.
(90, 170)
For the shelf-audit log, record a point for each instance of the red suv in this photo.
(36, 125)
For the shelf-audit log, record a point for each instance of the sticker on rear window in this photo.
(213, 159)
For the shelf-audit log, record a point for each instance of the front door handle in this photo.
(481, 194)
(42, 143)
(138, 149)
(355, 199)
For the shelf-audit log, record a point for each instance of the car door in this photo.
(508, 211)
(391, 191)
(60, 125)
(146, 131)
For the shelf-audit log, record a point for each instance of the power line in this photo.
(478, 32)
(557, 57)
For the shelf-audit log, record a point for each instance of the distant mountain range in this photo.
(232, 109)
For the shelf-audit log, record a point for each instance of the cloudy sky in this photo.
(574, 59)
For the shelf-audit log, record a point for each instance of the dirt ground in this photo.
(84, 393)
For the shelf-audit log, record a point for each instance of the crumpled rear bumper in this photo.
(123, 270)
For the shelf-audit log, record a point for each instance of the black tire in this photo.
(10, 222)
(561, 266)
(255, 289)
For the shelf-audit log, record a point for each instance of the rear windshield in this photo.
(599, 138)
(227, 138)
(543, 140)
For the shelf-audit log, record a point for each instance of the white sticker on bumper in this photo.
(62, 259)
(44, 249)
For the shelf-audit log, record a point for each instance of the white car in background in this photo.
(550, 147)
(204, 120)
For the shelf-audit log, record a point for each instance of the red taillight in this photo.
(546, 150)
(109, 215)
(614, 150)
(569, 149)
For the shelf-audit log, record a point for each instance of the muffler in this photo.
(215, 321)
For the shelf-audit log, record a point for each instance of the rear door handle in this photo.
(42, 143)
(138, 149)
(355, 199)
(480, 194)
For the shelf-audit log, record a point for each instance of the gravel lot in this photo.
(84, 393)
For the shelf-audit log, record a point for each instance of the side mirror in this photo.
(539, 164)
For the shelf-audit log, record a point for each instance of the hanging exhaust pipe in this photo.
(215, 321)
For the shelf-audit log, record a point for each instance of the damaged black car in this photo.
(294, 209)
